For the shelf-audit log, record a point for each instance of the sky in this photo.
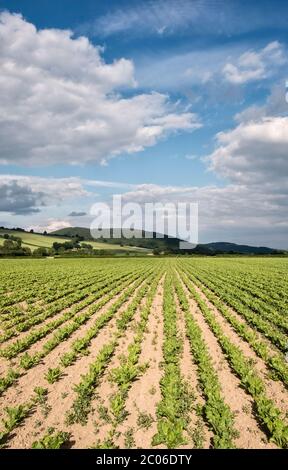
(156, 100)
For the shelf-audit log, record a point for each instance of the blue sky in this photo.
(166, 97)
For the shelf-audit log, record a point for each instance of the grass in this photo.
(33, 240)
(36, 240)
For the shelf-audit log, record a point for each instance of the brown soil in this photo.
(145, 393)
(276, 391)
(35, 377)
(188, 370)
(240, 403)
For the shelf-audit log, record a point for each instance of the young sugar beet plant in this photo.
(16, 415)
(264, 306)
(173, 409)
(85, 390)
(277, 337)
(81, 344)
(276, 362)
(129, 369)
(52, 440)
(217, 413)
(270, 416)
(82, 299)
(27, 361)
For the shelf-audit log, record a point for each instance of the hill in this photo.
(37, 240)
(167, 244)
(32, 240)
(226, 247)
(161, 243)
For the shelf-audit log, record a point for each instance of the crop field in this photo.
(34, 241)
(144, 353)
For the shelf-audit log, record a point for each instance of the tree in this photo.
(8, 244)
(56, 246)
(31, 231)
(45, 232)
(41, 251)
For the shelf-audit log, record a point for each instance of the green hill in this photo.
(136, 244)
(37, 240)
(162, 243)
(32, 240)
(170, 244)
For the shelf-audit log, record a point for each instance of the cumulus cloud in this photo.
(28, 194)
(50, 226)
(255, 65)
(61, 103)
(226, 212)
(275, 105)
(253, 207)
(254, 152)
(19, 200)
(77, 214)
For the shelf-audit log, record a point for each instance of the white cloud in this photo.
(29, 194)
(158, 17)
(236, 213)
(61, 103)
(253, 207)
(243, 212)
(275, 105)
(254, 152)
(253, 65)
(212, 75)
(168, 17)
(50, 226)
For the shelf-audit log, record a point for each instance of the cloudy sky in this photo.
(158, 100)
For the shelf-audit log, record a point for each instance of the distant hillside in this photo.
(167, 243)
(139, 241)
(73, 232)
(38, 240)
(31, 240)
(136, 244)
(226, 247)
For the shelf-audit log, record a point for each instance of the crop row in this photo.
(249, 299)
(278, 338)
(268, 414)
(85, 390)
(216, 411)
(27, 360)
(276, 362)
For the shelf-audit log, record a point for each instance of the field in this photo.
(35, 240)
(140, 353)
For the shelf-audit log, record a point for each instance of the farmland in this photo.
(37, 240)
(144, 353)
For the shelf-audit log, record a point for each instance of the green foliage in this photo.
(86, 388)
(53, 375)
(104, 413)
(144, 420)
(41, 394)
(129, 441)
(52, 441)
(267, 412)
(15, 415)
(217, 413)
(27, 361)
(10, 379)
